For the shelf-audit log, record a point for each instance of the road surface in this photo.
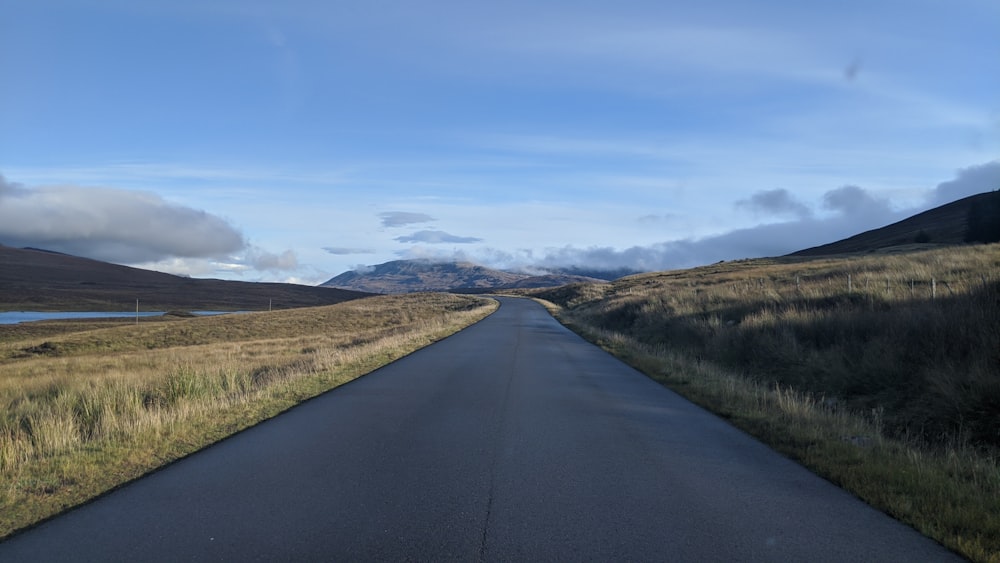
(512, 440)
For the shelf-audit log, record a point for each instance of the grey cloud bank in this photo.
(970, 181)
(854, 210)
(849, 210)
(137, 227)
(111, 224)
(856, 202)
(129, 227)
(776, 203)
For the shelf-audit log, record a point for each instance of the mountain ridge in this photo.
(406, 276)
(946, 224)
(43, 280)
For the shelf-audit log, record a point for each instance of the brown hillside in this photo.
(947, 224)
(39, 280)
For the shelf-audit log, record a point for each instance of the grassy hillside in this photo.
(96, 404)
(38, 280)
(944, 225)
(881, 372)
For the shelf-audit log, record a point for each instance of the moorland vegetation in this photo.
(32, 279)
(89, 405)
(879, 371)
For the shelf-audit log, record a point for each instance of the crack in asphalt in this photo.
(497, 445)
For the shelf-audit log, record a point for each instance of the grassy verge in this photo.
(882, 387)
(87, 411)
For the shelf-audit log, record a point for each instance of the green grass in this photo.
(88, 410)
(891, 392)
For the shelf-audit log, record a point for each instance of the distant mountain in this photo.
(552, 280)
(947, 224)
(406, 276)
(32, 279)
(606, 275)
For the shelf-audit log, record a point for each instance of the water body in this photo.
(16, 317)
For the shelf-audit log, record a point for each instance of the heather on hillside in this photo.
(879, 372)
(984, 220)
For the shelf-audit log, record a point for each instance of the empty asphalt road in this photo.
(513, 440)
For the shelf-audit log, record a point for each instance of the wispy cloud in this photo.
(177, 173)
(645, 131)
(262, 260)
(437, 237)
(695, 49)
(344, 251)
(403, 218)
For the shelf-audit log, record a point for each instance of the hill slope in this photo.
(39, 280)
(405, 276)
(947, 224)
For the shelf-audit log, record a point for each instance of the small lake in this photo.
(15, 317)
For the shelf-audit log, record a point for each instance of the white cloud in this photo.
(109, 224)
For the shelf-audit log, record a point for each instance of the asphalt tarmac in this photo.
(513, 440)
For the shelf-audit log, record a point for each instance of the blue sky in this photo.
(295, 140)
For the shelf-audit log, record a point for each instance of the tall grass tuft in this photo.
(881, 372)
(929, 359)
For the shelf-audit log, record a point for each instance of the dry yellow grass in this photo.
(880, 372)
(88, 410)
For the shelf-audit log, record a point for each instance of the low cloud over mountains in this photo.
(790, 225)
(850, 210)
(394, 219)
(142, 228)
